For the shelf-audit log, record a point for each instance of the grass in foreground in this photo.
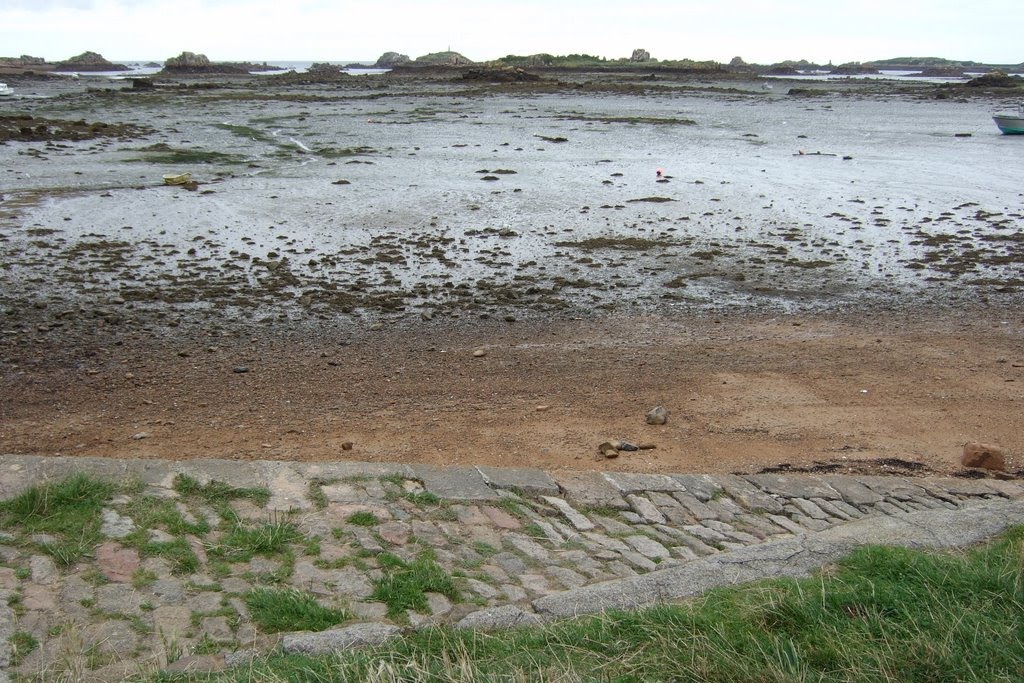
(882, 615)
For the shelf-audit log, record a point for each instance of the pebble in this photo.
(657, 416)
(240, 369)
(479, 353)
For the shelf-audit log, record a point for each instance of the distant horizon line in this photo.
(654, 59)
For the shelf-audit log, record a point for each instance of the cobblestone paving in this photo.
(185, 545)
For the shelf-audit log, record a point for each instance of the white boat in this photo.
(5, 90)
(1011, 124)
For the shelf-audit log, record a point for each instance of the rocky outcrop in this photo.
(996, 79)
(855, 69)
(443, 59)
(640, 55)
(389, 60)
(89, 61)
(943, 71)
(192, 63)
(22, 61)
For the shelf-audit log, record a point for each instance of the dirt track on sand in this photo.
(744, 393)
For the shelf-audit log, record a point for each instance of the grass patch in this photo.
(405, 584)
(21, 645)
(242, 542)
(362, 518)
(276, 610)
(883, 614)
(68, 510)
(217, 491)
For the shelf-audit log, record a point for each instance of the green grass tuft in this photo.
(22, 644)
(362, 518)
(275, 610)
(69, 510)
(405, 584)
(242, 542)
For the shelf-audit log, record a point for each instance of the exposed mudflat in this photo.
(352, 243)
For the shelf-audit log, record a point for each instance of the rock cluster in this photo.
(640, 55)
(389, 60)
(89, 61)
(192, 63)
(996, 79)
(506, 75)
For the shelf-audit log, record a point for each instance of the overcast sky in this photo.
(762, 31)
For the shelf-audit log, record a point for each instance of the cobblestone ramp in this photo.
(521, 546)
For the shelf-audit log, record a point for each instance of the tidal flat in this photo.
(380, 200)
(417, 268)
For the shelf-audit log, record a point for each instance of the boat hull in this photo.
(1009, 124)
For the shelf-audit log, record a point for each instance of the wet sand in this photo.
(352, 245)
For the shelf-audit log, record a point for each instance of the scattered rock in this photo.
(240, 369)
(479, 353)
(657, 416)
(983, 455)
(116, 562)
(337, 640)
(140, 436)
(115, 525)
(197, 664)
(608, 449)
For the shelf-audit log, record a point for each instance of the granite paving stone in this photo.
(647, 547)
(589, 489)
(701, 486)
(647, 510)
(891, 487)
(696, 507)
(748, 495)
(628, 482)
(531, 481)
(577, 519)
(831, 510)
(787, 524)
(456, 483)
(528, 547)
(802, 486)
(808, 508)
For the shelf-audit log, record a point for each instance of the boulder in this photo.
(983, 455)
(640, 55)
